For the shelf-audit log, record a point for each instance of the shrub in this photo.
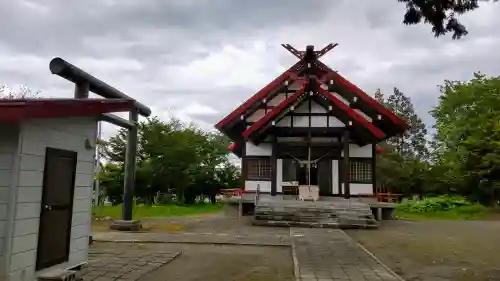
(435, 204)
(165, 198)
(471, 210)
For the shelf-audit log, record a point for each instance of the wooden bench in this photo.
(232, 192)
(388, 197)
(290, 190)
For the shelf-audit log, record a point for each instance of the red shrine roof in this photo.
(351, 114)
(370, 121)
(24, 109)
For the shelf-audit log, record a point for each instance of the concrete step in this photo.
(324, 224)
(314, 214)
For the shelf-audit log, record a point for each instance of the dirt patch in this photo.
(209, 223)
(436, 250)
(217, 262)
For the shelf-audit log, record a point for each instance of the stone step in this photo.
(309, 208)
(324, 224)
(312, 208)
(310, 218)
(312, 214)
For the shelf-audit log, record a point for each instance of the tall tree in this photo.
(440, 14)
(413, 142)
(402, 167)
(174, 158)
(24, 92)
(468, 134)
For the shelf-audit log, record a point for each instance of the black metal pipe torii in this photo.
(84, 83)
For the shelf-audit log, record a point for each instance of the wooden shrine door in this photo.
(325, 176)
(57, 208)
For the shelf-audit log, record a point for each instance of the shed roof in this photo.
(24, 109)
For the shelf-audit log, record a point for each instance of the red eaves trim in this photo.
(232, 147)
(259, 95)
(271, 115)
(18, 110)
(364, 96)
(352, 113)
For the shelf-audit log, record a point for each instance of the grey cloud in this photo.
(129, 44)
(50, 25)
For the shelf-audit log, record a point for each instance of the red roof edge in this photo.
(365, 97)
(23, 109)
(232, 147)
(259, 95)
(352, 113)
(283, 104)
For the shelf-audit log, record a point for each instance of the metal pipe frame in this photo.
(82, 79)
(85, 83)
(118, 121)
(130, 161)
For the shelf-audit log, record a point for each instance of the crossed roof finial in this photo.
(309, 50)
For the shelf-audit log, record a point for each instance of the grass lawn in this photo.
(459, 213)
(144, 211)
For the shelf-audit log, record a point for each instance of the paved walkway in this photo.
(195, 238)
(125, 265)
(319, 254)
(324, 255)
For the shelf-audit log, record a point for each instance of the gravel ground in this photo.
(423, 250)
(210, 223)
(216, 262)
(437, 250)
(213, 262)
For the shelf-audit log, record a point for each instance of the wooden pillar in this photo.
(309, 137)
(243, 163)
(374, 170)
(379, 214)
(274, 172)
(346, 169)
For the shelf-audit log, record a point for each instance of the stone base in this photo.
(338, 214)
(121, 225)
(61, 275)
(329, 224)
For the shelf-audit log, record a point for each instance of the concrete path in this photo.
(324, 255)
(318, 254)
(194, 238)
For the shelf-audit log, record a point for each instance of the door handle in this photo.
(47, 208)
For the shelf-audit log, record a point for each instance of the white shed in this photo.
(47, 158)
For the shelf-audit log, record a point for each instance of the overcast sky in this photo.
(199, 59)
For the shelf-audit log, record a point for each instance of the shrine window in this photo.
(258, 168)
(361, 170)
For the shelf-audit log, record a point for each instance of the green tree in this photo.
(468, 135)
(413, 142)
(174, 158)
(111, 182)
(440, 14)
(403, 167)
